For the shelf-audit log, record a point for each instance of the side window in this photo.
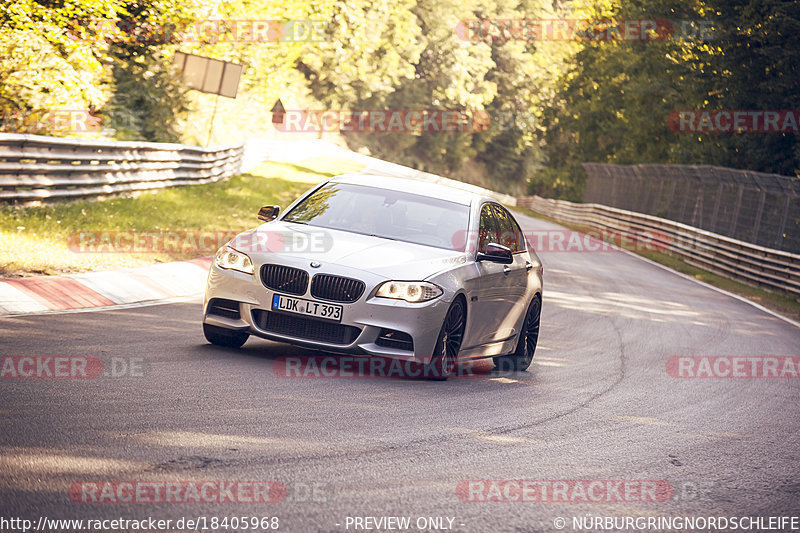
(487, 230)
(510, 234)
(521, 243)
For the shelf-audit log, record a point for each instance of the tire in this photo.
(224, 337)
(445, 353)
(521, 359)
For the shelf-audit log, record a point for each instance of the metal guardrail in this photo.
(36, 167)
(749, 206)
(749, 263)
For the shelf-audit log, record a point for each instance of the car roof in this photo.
(424, 188)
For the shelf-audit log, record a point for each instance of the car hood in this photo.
(283, 242)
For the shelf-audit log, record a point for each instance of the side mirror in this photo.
(269, 212)
(496, 253)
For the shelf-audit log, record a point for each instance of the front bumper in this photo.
(370, 315)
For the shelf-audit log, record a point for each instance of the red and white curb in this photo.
(43, 294)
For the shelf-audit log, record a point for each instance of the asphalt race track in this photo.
(597, 404)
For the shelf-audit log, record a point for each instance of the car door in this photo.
(487, 321)
(516, 273)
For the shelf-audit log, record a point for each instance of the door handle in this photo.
(528, 265)
(506, 269)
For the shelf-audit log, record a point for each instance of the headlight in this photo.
(410, 291)
(229, 258)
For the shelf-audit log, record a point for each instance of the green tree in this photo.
(759, 43)
(148, 102)
(49, 57)
(615, 100)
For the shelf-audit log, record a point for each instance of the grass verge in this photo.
(784, 304)
(35, 240)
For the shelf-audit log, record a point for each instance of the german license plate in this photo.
(299, 306)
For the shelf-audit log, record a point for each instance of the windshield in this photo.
(384, 213)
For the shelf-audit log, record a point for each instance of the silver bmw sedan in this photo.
(385, 267)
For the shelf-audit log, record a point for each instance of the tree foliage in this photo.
(614, 103)
(47, 61)
(553, 103)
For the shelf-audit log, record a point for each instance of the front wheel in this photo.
(445, 354)
(224, 337)
(526, 345)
